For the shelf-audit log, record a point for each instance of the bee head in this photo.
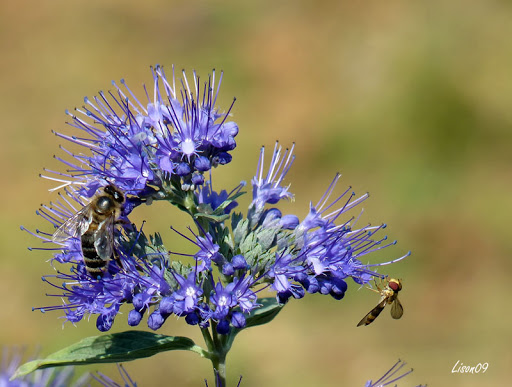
(114, 192)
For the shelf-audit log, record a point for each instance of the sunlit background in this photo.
(410, 102)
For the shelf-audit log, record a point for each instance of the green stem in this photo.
(219, 360)
(208, 340)
(219, 370)
(217, 353)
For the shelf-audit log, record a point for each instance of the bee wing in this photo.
(104, 238)
(397, 309)
(75, 226)
(374, 313)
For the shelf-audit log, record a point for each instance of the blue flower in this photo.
(188, 294)
(161, 150)
(104, 380)
(226, 300)
(222, 300)
(49, 377)
(208, 252)
(241, 288)
(196, 136)
(179, 132)
(391, 376)
(283, 273)
(318, 254)
(139, 281)
(269, 188)
(292, 257)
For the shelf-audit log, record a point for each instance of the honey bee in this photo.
(388, 295)
(95, 224)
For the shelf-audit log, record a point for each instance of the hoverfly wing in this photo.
(397, 309)
(104, 238)
(374, 313)
(75, 226)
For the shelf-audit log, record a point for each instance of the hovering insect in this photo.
(388, 295)
(95, 224)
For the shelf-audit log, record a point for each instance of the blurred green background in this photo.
(410, 101)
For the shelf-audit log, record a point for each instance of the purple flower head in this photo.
(223, 327)
(106, 319)
(390, 378)
(126, 280)
(165, 148)
(197, 179)
(202, 164)
(49, 377)
(241, 289)
(325, 213)
(289, 222)
(117, 143)
(134, 318)
(179, 131)
(204, 314)
(187, 296)
(283, 274)
(222, 300)
(157, 319)
(271, 217)
(238, 320)
(227, 299)
(228, 269)
(191, 130)
(239, 262)
(84, 295)
(318, 254)
(268, 189)
(208, 253)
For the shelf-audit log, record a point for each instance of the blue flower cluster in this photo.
(174, 138)
(161, 151)
(11, 359)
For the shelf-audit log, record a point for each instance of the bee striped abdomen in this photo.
(94, 264)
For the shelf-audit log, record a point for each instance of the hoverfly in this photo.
(388, 295)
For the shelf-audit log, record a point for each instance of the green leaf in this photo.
(251, 249)
(236, 217)
(240, 230)
(221, 207)
(266, 237)
(156, 240)
(217, 216)
(264, 314)
(113, 348)
(212, 218)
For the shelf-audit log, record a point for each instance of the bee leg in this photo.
(117, 258)
(121, 221)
